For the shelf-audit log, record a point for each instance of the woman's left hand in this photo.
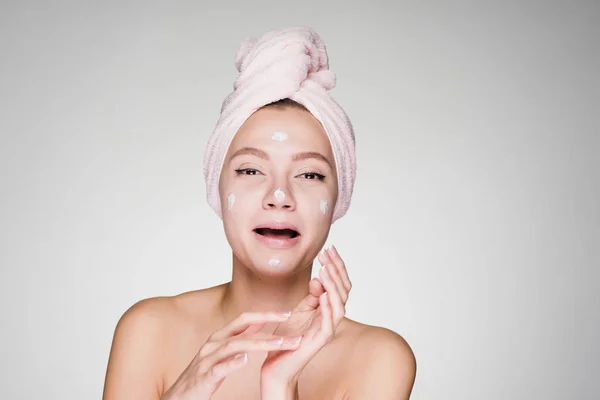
(281, 369)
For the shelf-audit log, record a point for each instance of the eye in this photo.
(312, 175)
(247, 171)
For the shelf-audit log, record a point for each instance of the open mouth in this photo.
(277, 233)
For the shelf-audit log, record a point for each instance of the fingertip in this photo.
(333, 251)
(315, 287)
(321, 257)
(241, 358)
(326, 256)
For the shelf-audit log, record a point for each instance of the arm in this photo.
(278, 391)
(389, 370)
(131, 372)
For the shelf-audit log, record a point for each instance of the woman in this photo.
(279, 168)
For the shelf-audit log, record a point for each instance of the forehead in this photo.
(303, 130)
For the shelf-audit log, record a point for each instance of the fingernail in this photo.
(241, 357)
(320, 258)
(334, 251)
(277, 342)
(296, 340)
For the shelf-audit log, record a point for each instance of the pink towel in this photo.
(288, 63)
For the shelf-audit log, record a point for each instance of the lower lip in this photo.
(277, 243)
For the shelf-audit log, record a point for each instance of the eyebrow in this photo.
(297, 157)
(311, 154)
(253, 151)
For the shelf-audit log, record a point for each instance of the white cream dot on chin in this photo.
(324, 206)
(279, 136)
(279, 195)
(230, 201)
(273, 262)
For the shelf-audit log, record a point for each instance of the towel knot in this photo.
(289, 63)
(284, 59)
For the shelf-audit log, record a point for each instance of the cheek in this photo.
(239, 204)
(317, 206)
(238, 196)
(230, 201)
(323, 206)
(236, 210)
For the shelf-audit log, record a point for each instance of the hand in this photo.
(281, 369)
(225, 351)
(303, 314)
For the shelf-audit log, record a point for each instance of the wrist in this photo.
(275, 389)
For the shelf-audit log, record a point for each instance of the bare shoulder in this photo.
(157, 318)
(383, 363)
(135, 354)
(147, 317)
(141, 343)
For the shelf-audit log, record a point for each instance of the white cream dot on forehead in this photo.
(279, 195)
(324, 206)
(230, 201)
(279, 136)
(273, 262)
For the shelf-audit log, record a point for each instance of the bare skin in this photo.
(158, 340)
(181, 324)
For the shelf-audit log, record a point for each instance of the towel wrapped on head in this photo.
(289, 63)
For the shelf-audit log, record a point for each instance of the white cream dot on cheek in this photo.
(324, 206)
(230, 201)
(279, 195)
(273, 262)
(279, 136)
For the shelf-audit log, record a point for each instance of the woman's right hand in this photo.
(226, 351)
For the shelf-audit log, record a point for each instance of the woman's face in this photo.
(278, 188)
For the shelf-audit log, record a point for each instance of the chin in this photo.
(276, 248)
(273, 262)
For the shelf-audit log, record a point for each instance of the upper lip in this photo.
(278, 225)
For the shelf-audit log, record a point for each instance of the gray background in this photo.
(475, 225)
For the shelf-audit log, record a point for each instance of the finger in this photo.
(327, 320)
(252, 329)
(245, 320)
(235, 346)
(334, 297)
(315, 288)
(315, 323)
(311, 301)
(341, 267)
(335, 276)
(220, 370)
(323, 259)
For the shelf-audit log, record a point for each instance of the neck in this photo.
(249, 292)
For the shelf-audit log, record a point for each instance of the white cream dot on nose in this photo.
(279, 195)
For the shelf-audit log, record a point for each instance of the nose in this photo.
(279, 198)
